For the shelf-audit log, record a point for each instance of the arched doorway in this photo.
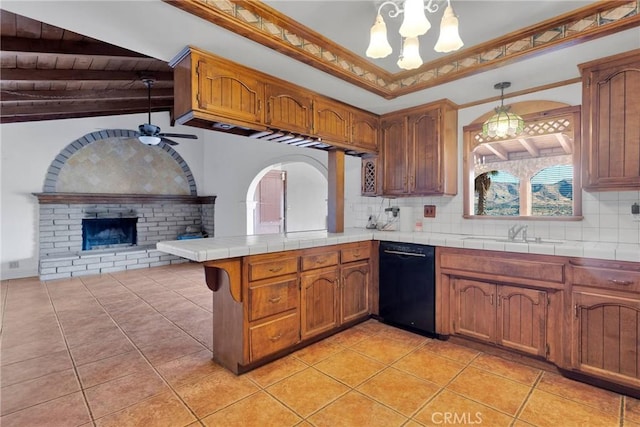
(287, 197)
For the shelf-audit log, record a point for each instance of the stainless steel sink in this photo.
(535, 240)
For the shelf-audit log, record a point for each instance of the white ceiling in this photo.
(348, 22)
(160, 30)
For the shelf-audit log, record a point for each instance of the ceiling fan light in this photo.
(415, 22)
(449, 39)
(410, 58)
(149, 140)
(379, 46)
(503, 124)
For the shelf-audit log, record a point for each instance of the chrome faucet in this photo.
(515, 230)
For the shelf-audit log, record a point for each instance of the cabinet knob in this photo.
(274, 300)
(321, 260)
(275, 269)
(276, 338)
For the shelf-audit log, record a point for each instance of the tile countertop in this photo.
(228, 247)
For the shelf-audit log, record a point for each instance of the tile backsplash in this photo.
(606, 218)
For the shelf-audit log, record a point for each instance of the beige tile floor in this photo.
(133, 349)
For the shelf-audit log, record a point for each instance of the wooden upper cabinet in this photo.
(364, 130)
(229, 92)
(419, 151)
(611, 122)
(288, 108)
(425, 151)
(330, 120)
(393, 136)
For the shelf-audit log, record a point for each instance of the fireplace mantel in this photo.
(105, 198)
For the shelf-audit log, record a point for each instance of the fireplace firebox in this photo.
(103, 233)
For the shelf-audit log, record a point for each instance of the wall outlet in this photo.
(429, 211)
(14, 264)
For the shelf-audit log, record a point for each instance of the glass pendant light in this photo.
(503, 123)
(415, 22)
(449, 39)
(379, 46)
(410, 58)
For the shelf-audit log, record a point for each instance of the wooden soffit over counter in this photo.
(265, 25)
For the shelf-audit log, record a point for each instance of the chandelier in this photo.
(414, 24)
(503, 123)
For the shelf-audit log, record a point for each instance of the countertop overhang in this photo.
(214, 248)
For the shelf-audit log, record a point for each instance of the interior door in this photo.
(269, 215)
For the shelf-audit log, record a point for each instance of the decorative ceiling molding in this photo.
(265, 25)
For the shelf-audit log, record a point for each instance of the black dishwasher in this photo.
(407, 286)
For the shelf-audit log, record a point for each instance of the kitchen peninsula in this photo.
(274, 294)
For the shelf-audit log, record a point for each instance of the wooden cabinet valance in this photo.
(217, 94)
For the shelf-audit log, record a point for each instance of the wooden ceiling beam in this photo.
(530, 147)
(67, 47)
(27, 113)
(566, 144)
(498, 151)
(33, 75)
(38, 96)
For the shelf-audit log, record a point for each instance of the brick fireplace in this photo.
(154, 218)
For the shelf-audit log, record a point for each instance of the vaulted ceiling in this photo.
(71, 66)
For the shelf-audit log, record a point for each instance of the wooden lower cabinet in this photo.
(606, 336)
(473, 309)
(355, 283)
(318, 301)
(522, 319)
(272, 336)
(509, 316)
(267, 305)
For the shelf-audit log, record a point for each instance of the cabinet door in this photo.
(369, 178)
(611, 124)
(228, 92)
(330, 120)
(394, 156)
(319, 299)
(474, 311)
(288, 109)
(606, 336)
(425, 160)
(364, 130)
(355, 291)
(522, 315)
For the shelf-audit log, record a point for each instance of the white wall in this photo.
(307, 190)
(231, 163)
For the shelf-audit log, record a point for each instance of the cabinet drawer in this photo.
(272, 298)
(512, 268)
(262, 269)
(607, 278)
(323, 259)
(273, 336)
(356, 253)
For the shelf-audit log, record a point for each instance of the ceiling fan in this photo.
(150, 134)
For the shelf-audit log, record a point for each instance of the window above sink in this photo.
(534, 175)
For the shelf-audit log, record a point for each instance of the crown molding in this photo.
(267, 26)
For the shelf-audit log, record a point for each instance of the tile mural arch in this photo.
(156, 164)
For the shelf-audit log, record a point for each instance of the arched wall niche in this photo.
(114, 161)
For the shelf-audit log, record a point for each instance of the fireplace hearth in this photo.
(105, 233)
